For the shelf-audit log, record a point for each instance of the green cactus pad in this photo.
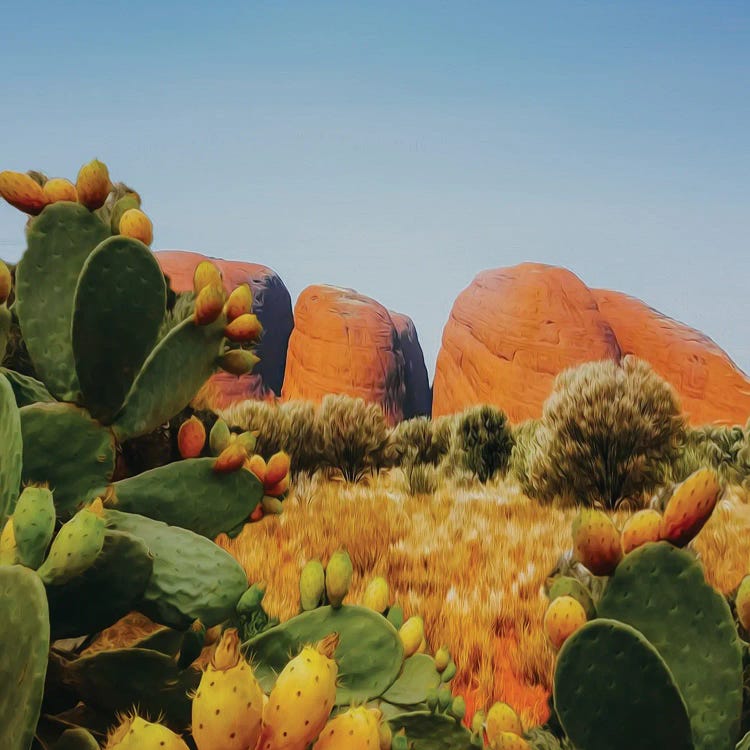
(23, 655)
(63, 446)
(6, 319)
(59, 241)
(417, 676)
(744, 743)
(661, 591)
(428, 731)
(105, 592)
(76, 739)
(613, 690)
(34, 524)
(369, 654)
(164, 640)
(11, 447)
(190, 494)
(26, 389)
(171, 376)
(118, 309)
(75, 548)
(115, 681)
(193, 579)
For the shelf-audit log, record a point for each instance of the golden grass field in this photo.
(471, 560)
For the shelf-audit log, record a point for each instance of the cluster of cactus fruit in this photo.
(649, 655)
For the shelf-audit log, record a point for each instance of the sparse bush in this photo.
(303, 435)
(525, 443)
(355, 436)
(605, 433)
(419, 478)
(484, 441)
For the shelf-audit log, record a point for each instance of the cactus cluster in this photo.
(650, 657)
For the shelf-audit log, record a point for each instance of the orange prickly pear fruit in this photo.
(246, 329)
(134, 223)
(596, 542)
(278, 489)
(93, 184)
(60, 189)
(228, 705)
(22, 192)
(230, 459)
(239, 303)
(563, 617)
(302, 698)
(238, 361)
(6, 283)
(206, 274)
(257, 465)
(742, 602)
(191, 438)
(643, 526)
(257, 514)
(690, 507)
(208, 305)
(277, 468)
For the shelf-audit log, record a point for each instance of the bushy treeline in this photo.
(609, 432)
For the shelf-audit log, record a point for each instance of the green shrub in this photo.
(484, 441)
(525, 443)
(724, 449)
(605, 433)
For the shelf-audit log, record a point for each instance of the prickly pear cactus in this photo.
(60, 240)
(26, 389)
(23, 655)
(76, 739)
(34, 524)
(369, 653)
(119, 305)
(11, 446)
(661, 591)
(428, 731)
(417, 676)
(613, 690)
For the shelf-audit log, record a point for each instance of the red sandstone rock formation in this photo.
(345, 342)
(712, 389)
(514, 329)
(271, 303)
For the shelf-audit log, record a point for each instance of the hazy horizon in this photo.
(402, 150)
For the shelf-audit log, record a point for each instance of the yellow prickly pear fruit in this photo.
(690, 507)
(134, 223)
(240, 302)
(228, 705)
(643, 526)
(312, 584)
(412, 635)
(742, 602)
(60, 189)
(442, 658)
(135, 733)
(271, 505)
(596, 542)
(338, 577)
(355, 729)
(477, 722)
(376, 595)
(93, 184)
(128, 201)
(22, 192)
(6, 283)
(302, 698)
(277, 468)
(191, 438)
(230, 459)
(509, 741)
(385, 736)
(238, 361)
(208, 305)
(502, 718)
(244, 330)
(8, 546)
(206, 274)
(257, 465)
(219, 437)
(563, 617)
(247, 440)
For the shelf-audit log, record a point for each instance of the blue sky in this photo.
(400, 148)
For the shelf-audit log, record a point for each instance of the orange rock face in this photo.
(514, 329)
(510, 333)
(345, 342)
(712, 389)
(273, 306)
